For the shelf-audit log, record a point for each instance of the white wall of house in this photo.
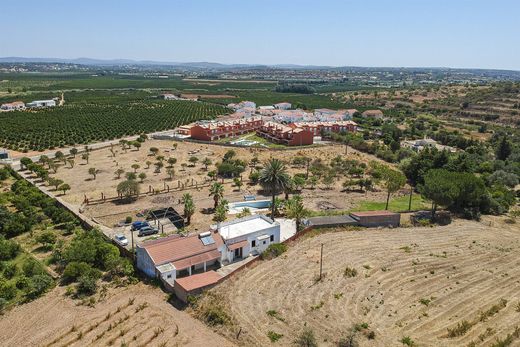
(144, 262)
(254, 244)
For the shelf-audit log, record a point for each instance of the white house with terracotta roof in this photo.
(176, 256)
(12, 106)
(247, 236)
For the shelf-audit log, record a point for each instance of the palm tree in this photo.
(294, 209)
(189, 207)
(221, 211)
(217, 192)
(274, 176)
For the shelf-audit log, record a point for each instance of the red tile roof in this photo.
(237, 245)
(198, 280)
(179, 249)
(196, 259)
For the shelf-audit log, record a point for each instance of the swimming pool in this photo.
(256, 205)
(244, 142)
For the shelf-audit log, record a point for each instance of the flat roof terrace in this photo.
(244, 226)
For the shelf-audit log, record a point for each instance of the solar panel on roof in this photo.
(207, 240)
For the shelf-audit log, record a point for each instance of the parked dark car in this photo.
(139, 225)
(145, 231)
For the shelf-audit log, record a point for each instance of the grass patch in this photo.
(275, 314)
(350, 272)
(274, 336)
(396, 205)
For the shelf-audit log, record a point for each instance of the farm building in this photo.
(169, 96)
(419, 145)
(41, 103)
(377, 218)
(210, 131)
(194, 285)
(283, 134)
(374, 114)
(248, 236)
(176, 256)
(12, 106)
(242, 104)
(283, 106)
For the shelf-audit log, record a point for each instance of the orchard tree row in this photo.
(81, 124)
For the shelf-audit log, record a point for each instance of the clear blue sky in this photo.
(448, 33)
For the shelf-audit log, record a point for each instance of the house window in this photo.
(253, 243)
(272, 238)
(264, 242)
(169, 276)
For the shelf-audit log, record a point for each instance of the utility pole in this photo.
(321, 261)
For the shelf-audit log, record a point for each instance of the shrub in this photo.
(348, 341)
(7, 290)
(39, 285)
(86, 285)
(461, 329)
(10, 270)
(75, 270)
(274, 250)
(406, 340)
(8, 249)
(32, 267)
(306, 339)
(350, 272)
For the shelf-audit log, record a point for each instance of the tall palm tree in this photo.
(217, 192)
(189, 207)
(274, 176)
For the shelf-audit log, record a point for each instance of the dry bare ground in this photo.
(416, 282)
(82, 184)
(55, 320)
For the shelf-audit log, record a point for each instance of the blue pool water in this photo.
(253, 204)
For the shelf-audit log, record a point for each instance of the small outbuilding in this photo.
(377, 218)
(195, 284)
(331, 221)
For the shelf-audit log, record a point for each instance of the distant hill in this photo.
(219, 66)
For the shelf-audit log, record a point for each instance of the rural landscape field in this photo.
(260, 173)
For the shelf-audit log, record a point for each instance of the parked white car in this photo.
(121, 239)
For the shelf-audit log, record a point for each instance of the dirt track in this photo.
(458, 270)
(55, 320)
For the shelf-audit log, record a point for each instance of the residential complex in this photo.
(211, 131)
(275, 123)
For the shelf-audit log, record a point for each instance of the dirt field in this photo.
(416, 282)
(109, 213)
(55, 320)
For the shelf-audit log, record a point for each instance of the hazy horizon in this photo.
(469, 34)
